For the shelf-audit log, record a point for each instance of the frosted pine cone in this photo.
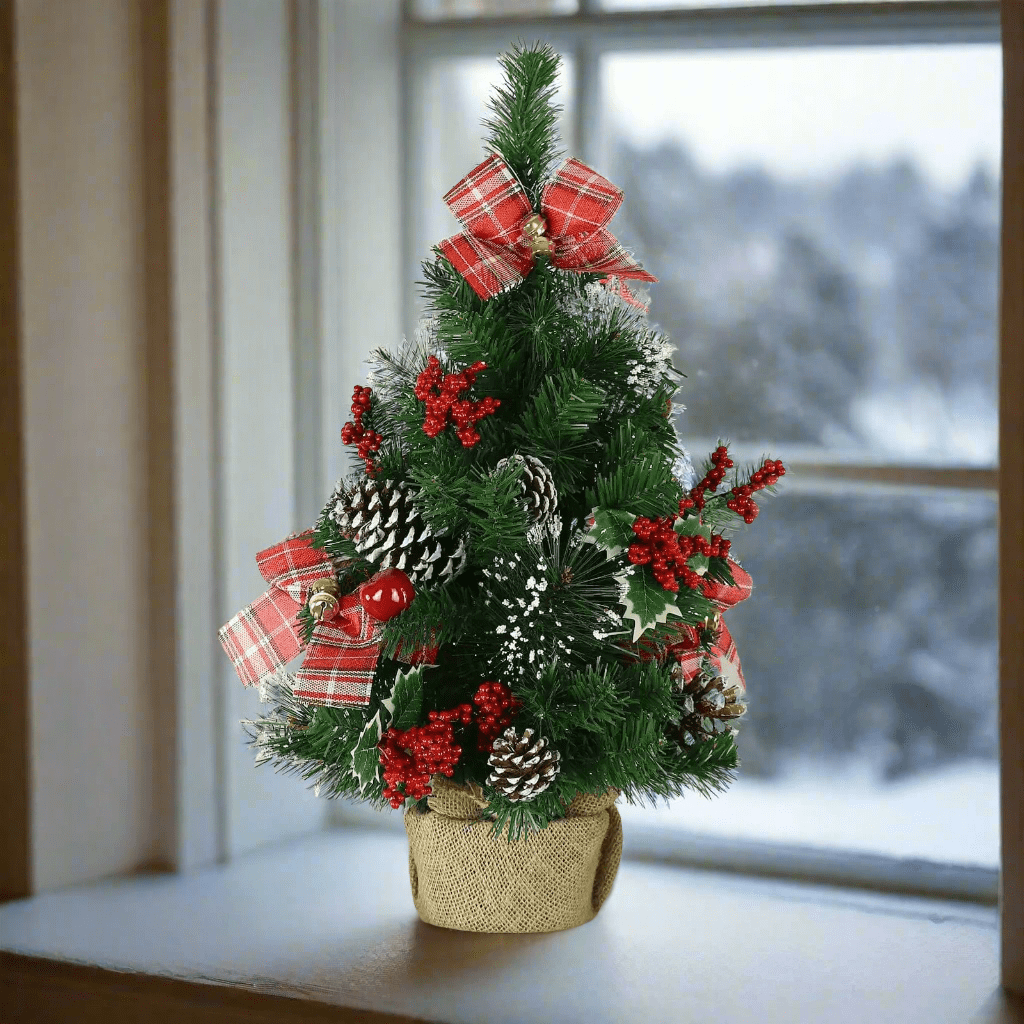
(389, 531)
(538, 485)
(710, 706)
(521, 767)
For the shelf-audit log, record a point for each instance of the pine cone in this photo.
(521, 767)
(389, 530)
(538, 485)
(710, 706)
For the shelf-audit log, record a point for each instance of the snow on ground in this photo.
(950, 816)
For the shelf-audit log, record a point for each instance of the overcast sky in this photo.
(798, 112)
(804, 112)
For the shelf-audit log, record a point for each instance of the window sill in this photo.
(324, 929)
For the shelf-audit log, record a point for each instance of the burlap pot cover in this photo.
(465, 878)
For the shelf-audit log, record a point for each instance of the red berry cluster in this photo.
(720, 462)
(667, 553)
(367, 442)
(441, 393)
(741, 501)
(411, 756)
(657, 545)
(496, 707)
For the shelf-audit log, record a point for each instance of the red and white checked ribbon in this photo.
(724, 656)
(262, 638)
(494, 253)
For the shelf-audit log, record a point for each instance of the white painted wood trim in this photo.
(307, 328)
(1011, 495)
(200, 809)
(362, 205)
(256, 453)
(329, 921)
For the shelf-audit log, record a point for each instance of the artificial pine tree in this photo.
(520, 587)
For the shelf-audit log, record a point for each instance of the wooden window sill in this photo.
(324, 929)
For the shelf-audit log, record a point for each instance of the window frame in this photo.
(589, 34)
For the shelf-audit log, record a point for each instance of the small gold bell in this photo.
(323, 599)
(713, 622)
(534, 228)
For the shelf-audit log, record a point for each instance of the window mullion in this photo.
(587, 101)
(778, 25)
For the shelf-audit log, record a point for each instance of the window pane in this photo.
(825, 227)
(440, 9)
(453, 103)
(869, 649)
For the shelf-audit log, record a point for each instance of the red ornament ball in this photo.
(387, 594)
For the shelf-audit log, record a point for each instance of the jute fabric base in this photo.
(465, 878)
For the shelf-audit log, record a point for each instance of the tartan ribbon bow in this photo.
(262, 638)
(724, 656)
(503, 233)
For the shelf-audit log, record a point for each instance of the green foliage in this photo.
(609, 724)
(524, 115)
(646, 601)
(556, 424)
(315, 743)
(612, 530)
(488, 506)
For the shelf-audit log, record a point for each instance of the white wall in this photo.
(257, 458)
(83, 303)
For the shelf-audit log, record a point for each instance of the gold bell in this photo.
(534, 228)
(323, 599)
(714, 621)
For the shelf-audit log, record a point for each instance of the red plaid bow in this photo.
(495, 251)
(261, 639)
(724, 655)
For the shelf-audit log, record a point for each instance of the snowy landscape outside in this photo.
(824, 224)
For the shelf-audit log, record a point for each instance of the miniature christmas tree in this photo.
(520, 587)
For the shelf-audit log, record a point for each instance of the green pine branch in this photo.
(522, 127)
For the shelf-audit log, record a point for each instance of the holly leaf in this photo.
(365, 755)
(612, 530)
(691, 527)
(405, 703)
(646, 601)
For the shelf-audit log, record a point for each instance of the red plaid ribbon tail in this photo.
(341, 658)
(619, 287)
(724, 656)
(261, 639)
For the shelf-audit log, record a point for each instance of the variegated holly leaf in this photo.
(646, 601)
(405, 703)
(611, 530)
(365, 755)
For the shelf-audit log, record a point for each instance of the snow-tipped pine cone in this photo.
(538, 485)
(388, 530)
(710, 706)
(522, 767)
